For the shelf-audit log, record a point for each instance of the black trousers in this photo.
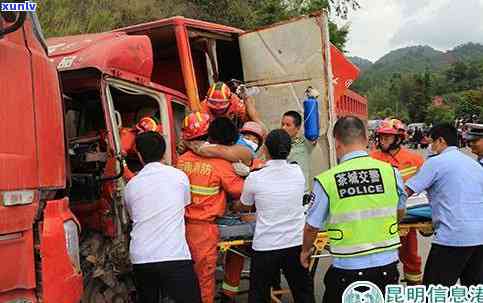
(266, 265)
(177, 279)
(447, 264)
(336, 280)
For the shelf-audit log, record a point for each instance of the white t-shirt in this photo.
(155, 200)
(277, 191)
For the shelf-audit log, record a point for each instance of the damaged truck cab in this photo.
(64, 156)
(163, 69)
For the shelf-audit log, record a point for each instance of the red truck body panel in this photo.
(114, 54)
(32, 157)
(61, 281)
(18, 153)
(107, 52)
(351, 103)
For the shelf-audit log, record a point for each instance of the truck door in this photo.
(18, 162)
(18, 154)
(284, 60)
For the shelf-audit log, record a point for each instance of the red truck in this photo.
(62, 220)
(39, 247)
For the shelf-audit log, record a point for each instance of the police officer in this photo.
(474, 137)
(300, 151)
(359, 202)
(454, 183)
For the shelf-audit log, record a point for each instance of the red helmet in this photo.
(391, 127)
(255, 129)
(148, 124)
(218, 96)
(195, 125)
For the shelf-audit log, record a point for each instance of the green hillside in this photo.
(403, 82)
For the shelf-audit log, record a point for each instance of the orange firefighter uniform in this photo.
(408, 163)
(234, 263)
(211, 179)
(128, 138)
(220, 101)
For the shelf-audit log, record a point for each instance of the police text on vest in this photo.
(359, 182)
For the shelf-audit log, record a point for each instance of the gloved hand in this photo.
(241, 169)
(245, 92)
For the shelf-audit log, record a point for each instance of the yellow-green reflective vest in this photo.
(363, 202)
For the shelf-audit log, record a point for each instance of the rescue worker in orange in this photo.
(222, 102)
(128, 136)
(243, 152)
(251, 140)
(211, 179)
(389, 136)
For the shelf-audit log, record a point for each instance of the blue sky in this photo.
(383, 25)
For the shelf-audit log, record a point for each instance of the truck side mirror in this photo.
(17, 18)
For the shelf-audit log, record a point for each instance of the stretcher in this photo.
(236, 236)
(234, 232)
(418, 216)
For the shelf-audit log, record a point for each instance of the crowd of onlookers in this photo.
(463, 129)
(417, 137)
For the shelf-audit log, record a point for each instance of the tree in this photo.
(470, 103)
(65, 17)
(440, 114)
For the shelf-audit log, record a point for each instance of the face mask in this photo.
(252, 144)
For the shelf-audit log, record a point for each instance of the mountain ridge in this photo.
(413, 59)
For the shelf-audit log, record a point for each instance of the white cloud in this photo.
(443, 27)
(408, 7)
(383, 25)
(371, 27)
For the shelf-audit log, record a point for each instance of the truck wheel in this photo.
(96, 291)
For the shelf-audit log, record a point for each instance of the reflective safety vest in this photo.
(363, 202)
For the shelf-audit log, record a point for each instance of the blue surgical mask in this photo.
(252, 144)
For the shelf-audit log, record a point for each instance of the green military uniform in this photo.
(299, 154)
(363, 200)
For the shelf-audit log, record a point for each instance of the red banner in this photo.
(344, 72)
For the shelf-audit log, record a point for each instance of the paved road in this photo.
(424, 245)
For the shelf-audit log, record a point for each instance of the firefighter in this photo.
(250, 141)
(221, 102)
(474, 137)
(211, 179)
(389, 136)
(359, 202)
(242, 154)
(128, 136)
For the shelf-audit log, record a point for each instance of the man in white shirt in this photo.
(277, 192)
(155, 200)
